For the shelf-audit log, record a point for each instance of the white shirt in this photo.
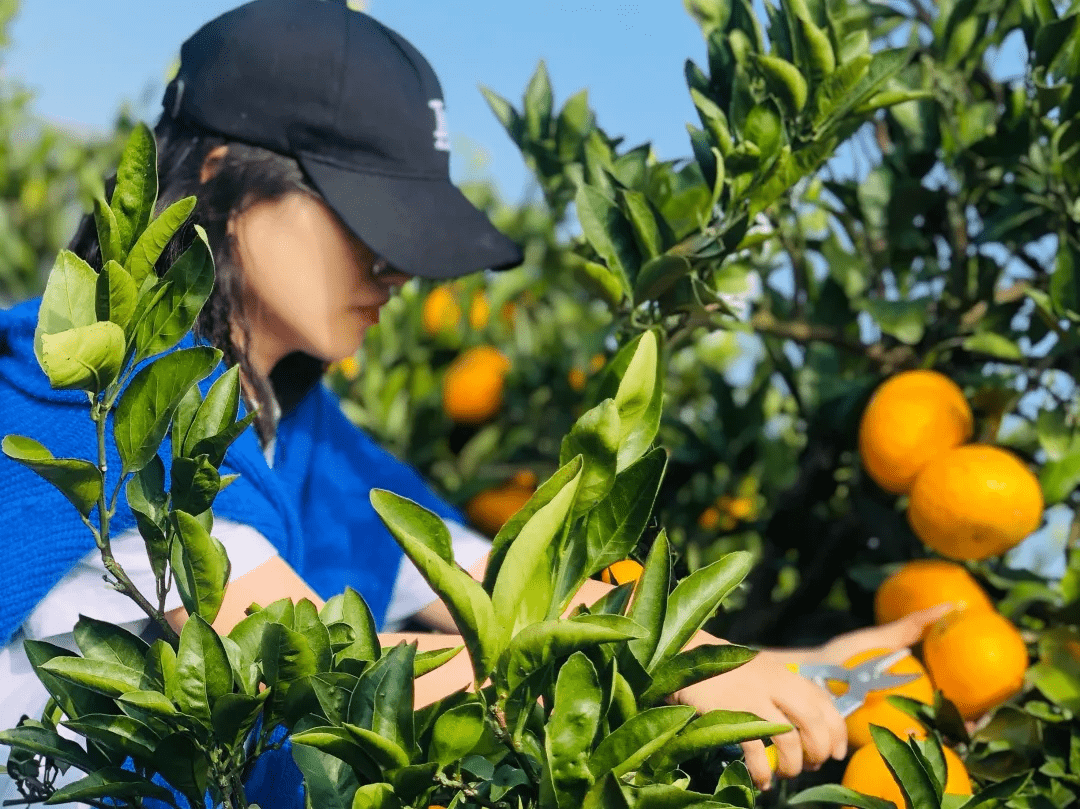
(84, 591)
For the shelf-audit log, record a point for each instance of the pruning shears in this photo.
(850, 685)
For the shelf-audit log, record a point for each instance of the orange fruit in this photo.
(911, 419)
(622, 572)
(709, 519)
(440, 313)
(924, 583)
(974, 502)
(526, 478)
(577, 379)
(596, 362)
(876, 710)
(976, 658)
(473, 385)
(738, 508)
(348, 367)
(868, 773)
(490, 509)
(479, 311)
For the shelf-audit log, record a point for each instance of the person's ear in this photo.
(212, 163)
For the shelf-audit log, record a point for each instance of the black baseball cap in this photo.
(359, 108)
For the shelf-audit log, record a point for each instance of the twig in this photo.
(469, 792)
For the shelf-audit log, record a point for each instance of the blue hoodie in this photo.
(312, 505)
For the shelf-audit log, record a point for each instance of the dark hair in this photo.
(246, 175)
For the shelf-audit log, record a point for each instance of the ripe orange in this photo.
(924, 583)
(974, 502)
(868, 773)
(473, 385)
(709, 519)
(626, 570)
(976, 658)
(912, 418)
(876, 710)
(577, 379)
(490, 509)
(479, 311)
(441, 313)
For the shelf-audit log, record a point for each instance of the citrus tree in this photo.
(871, 191)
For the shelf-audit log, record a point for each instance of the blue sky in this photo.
(84, 58)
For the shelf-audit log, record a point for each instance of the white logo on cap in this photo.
(442, 131)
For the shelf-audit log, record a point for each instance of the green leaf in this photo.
(182, 418)
(658, 275)
(538, 103)
(1001, 791)
(42, 741)
(997, 345)
(100, 640)
(712, 730)
(646, 229)
(523, 587)
(1065, 280)
(84, 358)
(108, 232)
(904, 320)
(464, 597)
(695, 599)
(1058, 479)
(148, 702)
(110, 782)
(330, 782)
(880, 68)
(609, 233)
(73, 699)
(833, 91)
(136, 189)
(542, 643)
(69, 298)
(148, 502)
(693, 666)
(143, 414)
(195, 484)
(382, 751)
(649, 606)
(203, 672)
(434, 658)
(629, 745)
(116, 294)
(915, 782)
(308, 624)
(105, 677)
(571, 728)
(286, 656)
(610, 286)
(392, 716)
(784, 82)
(341, 744)
(122, 734)
(187, 286)
(215, 446)
(595, 437)
(540, 498)
(616, 524)
(834, 793)
(234, 715)
(506, 114)
(201, 566)
(79, 481)
(217, 412)
(150, 245)
(639, 400)
(349, 607)
(456, 733)
(376, 796)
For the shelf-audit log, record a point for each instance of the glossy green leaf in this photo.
(216, 413)
(84, 358)
(639, 399)
(376, 796)
(135, 193)
(456, 733)
(79, 481)
(148, 702)
(382, 751)
(538, 103)
(595, 437)
(122, 734)
(609, 234)
(286, 656)
(308, 624)
(116, 294)
(105, 677)
(100, 640)
(234, 715)
(182, 418)
(201, 567)
(506, 114)
(195, 484)
(1065, 280)
(329, 781)
(834, 793)
(203, 673)
(350, 608)
(110, 782)
(338, 742)
(73, 699)
(629, 745)
(692, 666)
(42, 741)
(658, 275)
(649, 607)
(108, 231)
(432, 659)
(143, 414)
(542, 643)
(713, 730)
(187, 286)
(523, 588)
(68, 300)
(464, 597)
(695, 599)
(571, 728)
(392, 717)
(150, 245)
(915, 782)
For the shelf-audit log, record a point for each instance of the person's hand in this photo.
(768, 688)
(906, 631)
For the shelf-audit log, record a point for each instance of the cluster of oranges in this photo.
(727, 512)
(967, 502)
(441, 314)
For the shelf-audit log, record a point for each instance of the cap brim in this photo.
(422, 226)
